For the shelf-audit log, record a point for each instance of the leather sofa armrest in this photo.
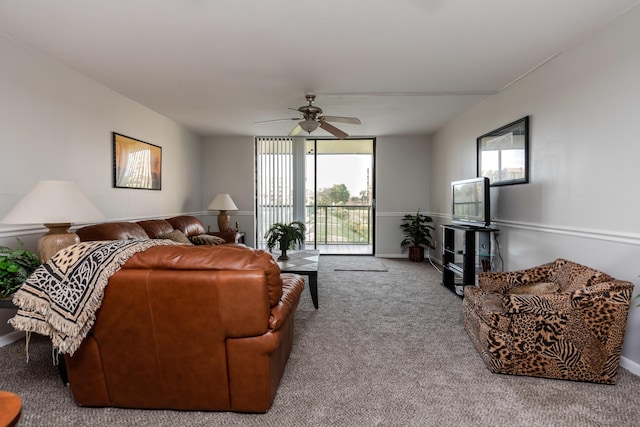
(228, 236)
(292, 287)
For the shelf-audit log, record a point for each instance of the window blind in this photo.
(275, 184)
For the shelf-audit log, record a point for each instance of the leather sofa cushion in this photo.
(189, 225)
(221, 257)
(156, 227)
(292, 285)
(112, 231)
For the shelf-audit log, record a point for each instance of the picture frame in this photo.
(136, 164)
(503, 154)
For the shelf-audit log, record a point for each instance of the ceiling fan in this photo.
(312, 118)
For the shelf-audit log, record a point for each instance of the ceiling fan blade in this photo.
(352, 120)
(296, 130)
(333, 130)
(276, 120)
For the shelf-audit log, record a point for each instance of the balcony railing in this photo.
(348, 224)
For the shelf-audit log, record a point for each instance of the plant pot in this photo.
(283, 256)
(284, 246)
(416, 253)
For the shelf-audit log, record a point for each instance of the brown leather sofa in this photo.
(188, 328)
(150, 229)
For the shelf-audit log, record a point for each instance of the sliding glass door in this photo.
(339, 196)
(328, 184)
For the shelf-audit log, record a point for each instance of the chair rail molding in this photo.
(586, 233)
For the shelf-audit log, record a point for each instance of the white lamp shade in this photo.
(222, 202)
(53, 202)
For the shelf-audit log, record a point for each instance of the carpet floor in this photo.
(385, 348)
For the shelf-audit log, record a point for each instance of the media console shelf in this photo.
(464, 251)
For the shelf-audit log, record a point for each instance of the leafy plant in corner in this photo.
(286, 236)
(417, 230)
(16, 265)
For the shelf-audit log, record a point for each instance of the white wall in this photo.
(581, 202)
(401, 178)
(57, 124)
(402, 184)
(229, 167)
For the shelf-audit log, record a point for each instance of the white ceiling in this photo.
(218, 66)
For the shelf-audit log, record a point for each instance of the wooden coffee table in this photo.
(304, 263)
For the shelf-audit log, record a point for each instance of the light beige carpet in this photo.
(357, 263)
(383, 349)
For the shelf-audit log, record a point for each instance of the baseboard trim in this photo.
(391, 256)
(11, 337)
(630, 365)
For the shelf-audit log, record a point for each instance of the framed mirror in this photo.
(503, 154)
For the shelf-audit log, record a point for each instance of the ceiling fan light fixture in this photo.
(309, 125)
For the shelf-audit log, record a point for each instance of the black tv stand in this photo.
(466, 251)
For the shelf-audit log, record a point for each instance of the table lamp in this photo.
(57, 205)
(223, 203)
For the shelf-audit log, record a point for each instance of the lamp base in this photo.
(223, 221)
(58, 237)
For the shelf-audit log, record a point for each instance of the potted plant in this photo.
(286, 235)
(16, 265)
(417, 235)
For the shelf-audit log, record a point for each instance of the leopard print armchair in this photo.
(558, 320)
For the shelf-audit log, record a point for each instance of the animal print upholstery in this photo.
(575, 333)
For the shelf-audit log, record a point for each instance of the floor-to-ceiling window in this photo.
(327, 183)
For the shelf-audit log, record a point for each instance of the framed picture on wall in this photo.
(136, 164)
(503, 154)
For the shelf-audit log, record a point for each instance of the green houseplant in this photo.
(16, 265)
(286, 235)
(417, 231)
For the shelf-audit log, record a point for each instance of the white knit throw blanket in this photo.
(60, 299)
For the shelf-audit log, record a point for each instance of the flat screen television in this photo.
(470, 202)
